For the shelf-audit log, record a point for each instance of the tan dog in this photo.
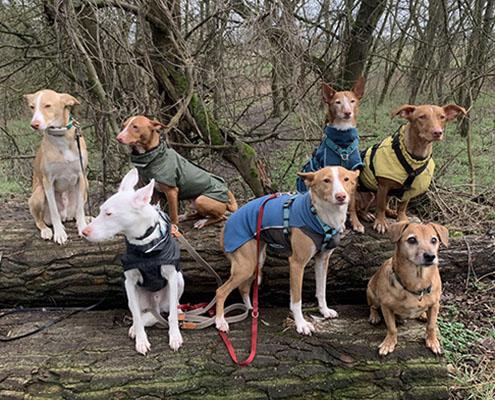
(59, 185)
(384, 173)
(342, 113)
(408, 285)
(176, 177)
(303, 237)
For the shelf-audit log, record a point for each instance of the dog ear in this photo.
(143, 195)
(404, 111)
(69, 100)
(442, 232)
(328, 92)
(395, 231)
(358, 88)
(157, 125)
(308, 177)
(453, 110)
(29, 97)
(129, 181)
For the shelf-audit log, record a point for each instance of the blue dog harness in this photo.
(339, 148)
(149, 258)
(281, 213)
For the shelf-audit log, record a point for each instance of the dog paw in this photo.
(305, 328)
(201, 223)
(46, 233)
(387, 346)
(374, 318)
(391, 213)
(358, 227)
(221, 324)
(143, 345)
(328, 313)
(131, 333)
(182, 217)
(423, 317)
(434, 345)
(60, 236)
(175, 341)
(380, 226)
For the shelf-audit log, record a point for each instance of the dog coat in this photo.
(170, 168)
(298, 213)
(390, 159)
(150, 257)
(339, 148)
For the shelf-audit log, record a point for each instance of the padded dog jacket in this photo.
(339, 148)
(170, 168)
(241, 226)
(150, 257)
(386, 164)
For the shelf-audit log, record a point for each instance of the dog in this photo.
(341, 143)
(402, 165)
(408, 284)
(153, 280)
(60, 187)
(176, 177)
(303, 226)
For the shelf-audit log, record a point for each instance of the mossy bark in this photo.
(37, 272)
(89, 356)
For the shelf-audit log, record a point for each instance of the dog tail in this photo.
(232, 204)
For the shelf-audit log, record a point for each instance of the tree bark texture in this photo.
(37, 272)
(89, 356)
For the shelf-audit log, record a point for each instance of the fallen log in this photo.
(89, 356)
(37, 272)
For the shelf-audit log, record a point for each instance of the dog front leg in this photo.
(431, 329)
(390, 341)
(133, 299)
(296, 280)
(171, 275)
(357, 226)
(172, 194)
(401, 211)
(380, 224)
(321, 270)
(59, 235)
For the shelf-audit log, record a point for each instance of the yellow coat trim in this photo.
(388, 166)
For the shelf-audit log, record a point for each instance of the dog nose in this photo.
(119, 139)
(437, 132)
(86, 231)
(429, 258)
(340, 197)
(35, 124)
(347, 114)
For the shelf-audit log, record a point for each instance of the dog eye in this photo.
(134, 127)
(346, 179)
(31, 107)
(353, 101)
(442, 116)
(412, 240)
(108, 213)
(337, 102)
(327, 180)
(422, 117)
(434, 240)
(48, 105)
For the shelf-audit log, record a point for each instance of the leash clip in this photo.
(255, 314)
(344, 156)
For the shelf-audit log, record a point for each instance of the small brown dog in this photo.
(402, 165)
(176, 177)
(408, 284)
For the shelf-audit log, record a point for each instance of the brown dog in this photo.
(304, 234)
(401, 165)
(176, 177)
(59, 186)
(409, 284)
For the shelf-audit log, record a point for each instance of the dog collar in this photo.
(418, 293)
(61, 130)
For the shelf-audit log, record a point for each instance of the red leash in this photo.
(255, 313)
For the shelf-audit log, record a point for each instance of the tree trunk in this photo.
(89, 356)
(37, 272)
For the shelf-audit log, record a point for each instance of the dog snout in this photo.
(86, 231)
(120, 139)
(429, 258)
(35, 124)
(437, 133)
(340, 196)
(347, 114)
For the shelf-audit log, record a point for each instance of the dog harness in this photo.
(166, 166)
(283, 212)
(390, 159)
(340, 147)
(150, 257)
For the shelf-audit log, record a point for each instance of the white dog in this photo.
(151, 260)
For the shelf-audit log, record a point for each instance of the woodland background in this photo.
(238, 84)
